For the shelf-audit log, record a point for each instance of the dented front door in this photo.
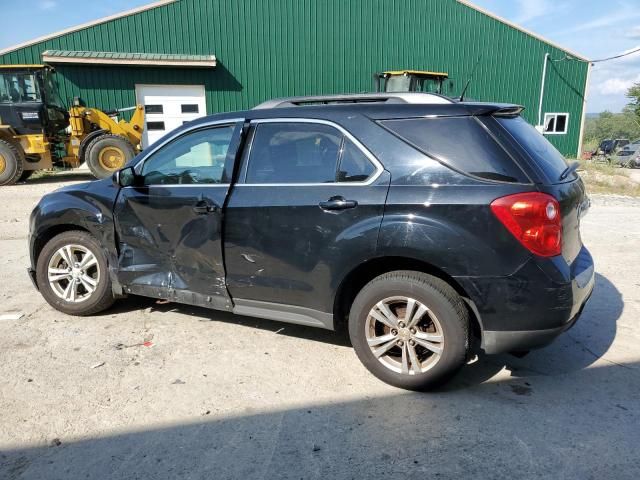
(169, 224)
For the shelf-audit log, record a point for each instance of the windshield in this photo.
(398, 83)
(19, 87)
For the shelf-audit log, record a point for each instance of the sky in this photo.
(594, 28)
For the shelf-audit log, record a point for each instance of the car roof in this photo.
(375, 111)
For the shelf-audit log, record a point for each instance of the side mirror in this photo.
(125, 177)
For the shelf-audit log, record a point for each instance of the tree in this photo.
(634, 95)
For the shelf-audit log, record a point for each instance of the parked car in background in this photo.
(628, 157)
(418, 223)
(610, 146)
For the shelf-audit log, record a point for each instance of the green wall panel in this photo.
(271, 48)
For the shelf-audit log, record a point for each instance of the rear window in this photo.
(537, 146)
(460, 142)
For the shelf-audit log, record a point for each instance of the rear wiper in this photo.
(569, 170)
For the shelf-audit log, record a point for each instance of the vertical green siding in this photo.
(272, 48)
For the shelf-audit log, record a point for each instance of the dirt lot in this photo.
(216, 396)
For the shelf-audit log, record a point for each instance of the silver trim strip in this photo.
(346, 133)
(182, 185)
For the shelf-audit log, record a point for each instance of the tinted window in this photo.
(461, 142)
(197, 157)
(155, 126)
(354, 164)
(294, 153)
(189, 108)
(539, 149)
(153, 109)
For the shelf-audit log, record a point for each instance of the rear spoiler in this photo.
(510, 111)
(493, 109)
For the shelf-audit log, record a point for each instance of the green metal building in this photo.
(187, 58)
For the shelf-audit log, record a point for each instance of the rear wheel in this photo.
(26, 175)
(11, 163)
(410, 329)
(73, 274)
(108, 153)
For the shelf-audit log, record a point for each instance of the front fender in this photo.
(85, 207)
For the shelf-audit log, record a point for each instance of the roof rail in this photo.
(360, 98)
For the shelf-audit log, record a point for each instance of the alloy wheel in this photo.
(73, 273)
(404, 335)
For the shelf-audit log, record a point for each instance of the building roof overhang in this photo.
(132, 59)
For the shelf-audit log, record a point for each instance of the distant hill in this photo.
(593, 115)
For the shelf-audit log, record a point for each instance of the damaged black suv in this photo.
(417, 222)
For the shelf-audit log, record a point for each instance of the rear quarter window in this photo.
(462, 143)
(542, 152)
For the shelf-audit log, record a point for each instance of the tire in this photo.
(108, 153)
(26, 174)
(11, 163)
(55, 293)
(447, 318)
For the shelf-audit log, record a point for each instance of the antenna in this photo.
(473, 72)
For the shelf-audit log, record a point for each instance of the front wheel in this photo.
(73, 274)
(410, 329)
(108, 153)
(11, 163)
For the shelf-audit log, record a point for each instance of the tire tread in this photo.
(422, 282)
(19, 156)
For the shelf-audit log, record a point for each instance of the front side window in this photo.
(556, 123)
(196, 158)
(310, 153)
(19, 88)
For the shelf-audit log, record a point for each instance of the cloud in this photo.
(48, 4)
(608, 85)
(615, 86)
(622, 17)
(529, 10)
(633, 32)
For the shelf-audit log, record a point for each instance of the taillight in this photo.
(534, 219)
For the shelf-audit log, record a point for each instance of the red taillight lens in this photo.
(534, 219)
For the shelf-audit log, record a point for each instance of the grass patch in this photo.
(607, 179)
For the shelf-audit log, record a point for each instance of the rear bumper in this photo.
(511, 341)
(530, 308)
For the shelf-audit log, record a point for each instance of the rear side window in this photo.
(354, 165)
(539, 148)
(460, 142)
(305, 152)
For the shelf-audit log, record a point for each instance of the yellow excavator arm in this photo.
(82, 117)
(85, 120)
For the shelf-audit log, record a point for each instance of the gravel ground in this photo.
(211, 395)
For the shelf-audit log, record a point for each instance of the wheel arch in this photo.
(362, 274)
(51, 232)
(86, 141)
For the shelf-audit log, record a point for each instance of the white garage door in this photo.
(169, 106)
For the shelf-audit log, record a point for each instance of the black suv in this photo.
(417, 222)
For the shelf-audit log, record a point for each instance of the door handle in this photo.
(338, 203)
(202, 208)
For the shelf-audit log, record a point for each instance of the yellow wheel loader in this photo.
(409, 81)
(37, 132)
